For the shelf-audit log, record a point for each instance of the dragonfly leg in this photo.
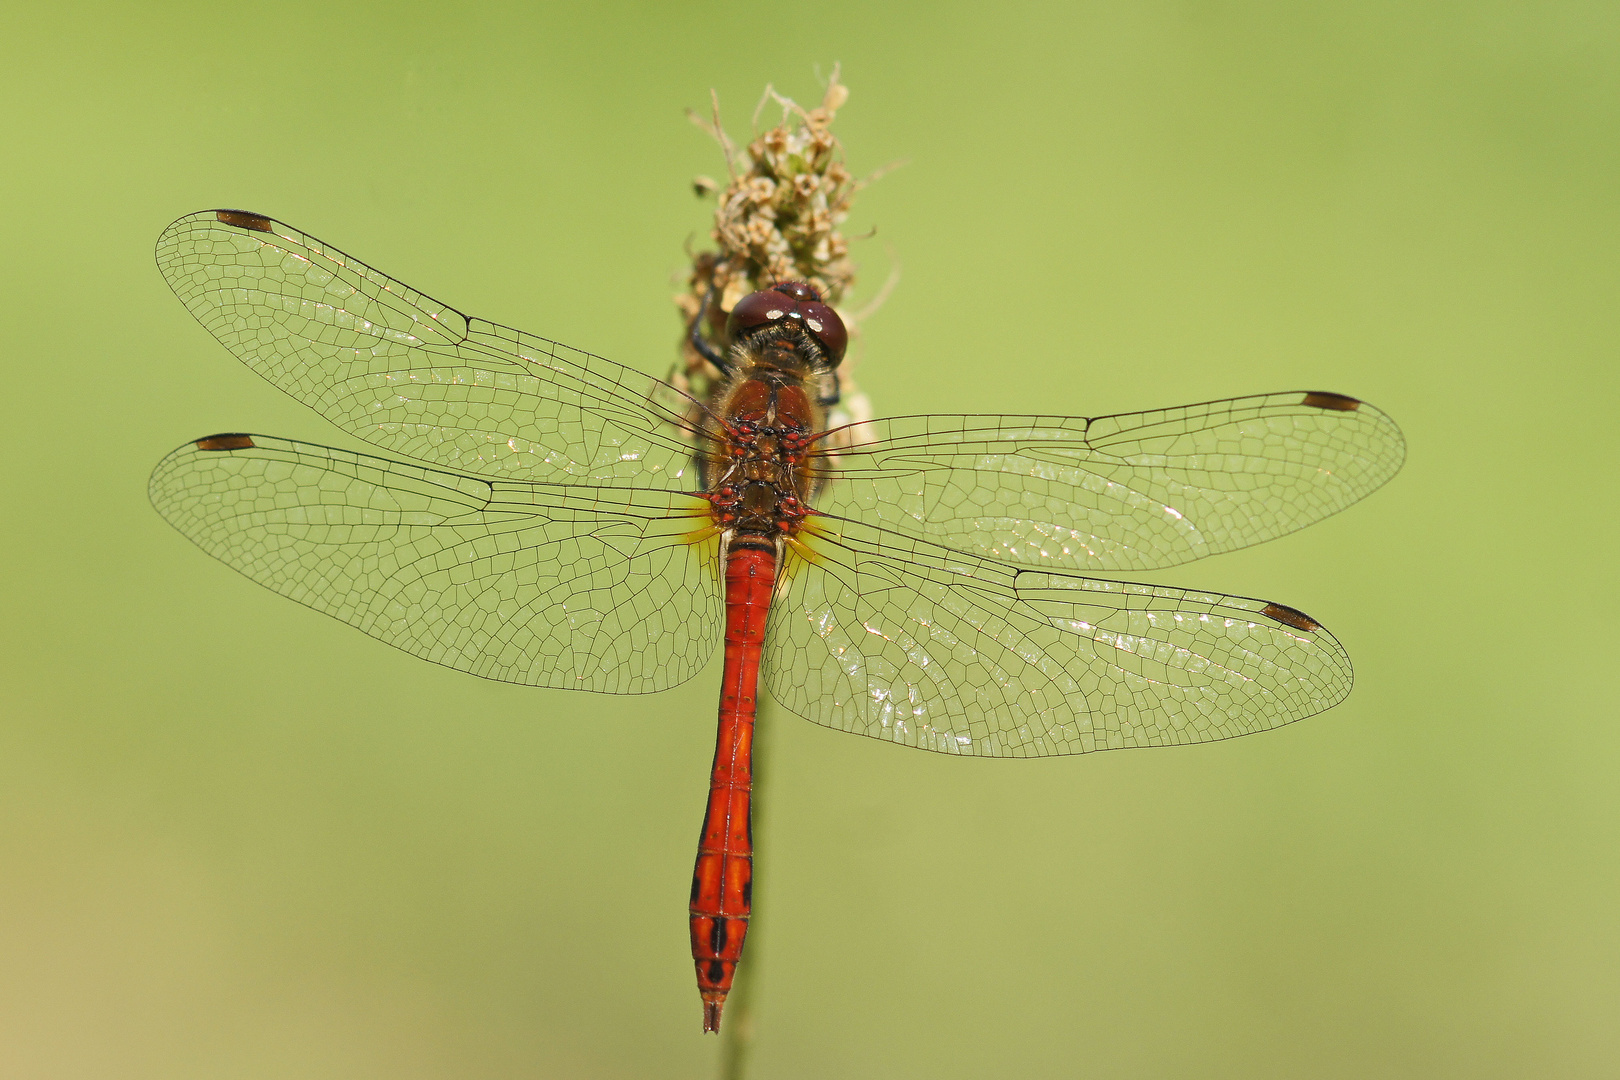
(830, 390)
(694, 334)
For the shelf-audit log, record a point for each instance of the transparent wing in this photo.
(907, 641)
(412, 375)
(603, 589)
(1137, 491)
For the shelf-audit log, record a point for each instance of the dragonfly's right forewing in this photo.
(1129, 492)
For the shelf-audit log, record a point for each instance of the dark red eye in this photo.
(824, 322)
(791, 300)
(757, 309)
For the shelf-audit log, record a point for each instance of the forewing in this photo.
(603, 589)
(913, 643)
(1136, 491)
(413, 375)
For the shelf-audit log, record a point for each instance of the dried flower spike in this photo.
(776, 220)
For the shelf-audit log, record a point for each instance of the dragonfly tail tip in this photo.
(711, 1011)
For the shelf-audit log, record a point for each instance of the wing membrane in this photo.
(1136, 491)
(414, 376)
(911, 642)
(548, 585)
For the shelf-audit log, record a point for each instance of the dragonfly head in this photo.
(791, 303)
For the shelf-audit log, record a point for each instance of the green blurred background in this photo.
(238, 839)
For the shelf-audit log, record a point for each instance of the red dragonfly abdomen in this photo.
(722, 882)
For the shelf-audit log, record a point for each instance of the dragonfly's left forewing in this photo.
(884, 635)
(412, 374)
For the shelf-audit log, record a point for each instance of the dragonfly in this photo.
(954, 583)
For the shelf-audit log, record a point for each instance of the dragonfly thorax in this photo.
(759, 478)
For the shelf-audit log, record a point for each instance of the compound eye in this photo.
(824, 322)
(791, 300)
(756, 309)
